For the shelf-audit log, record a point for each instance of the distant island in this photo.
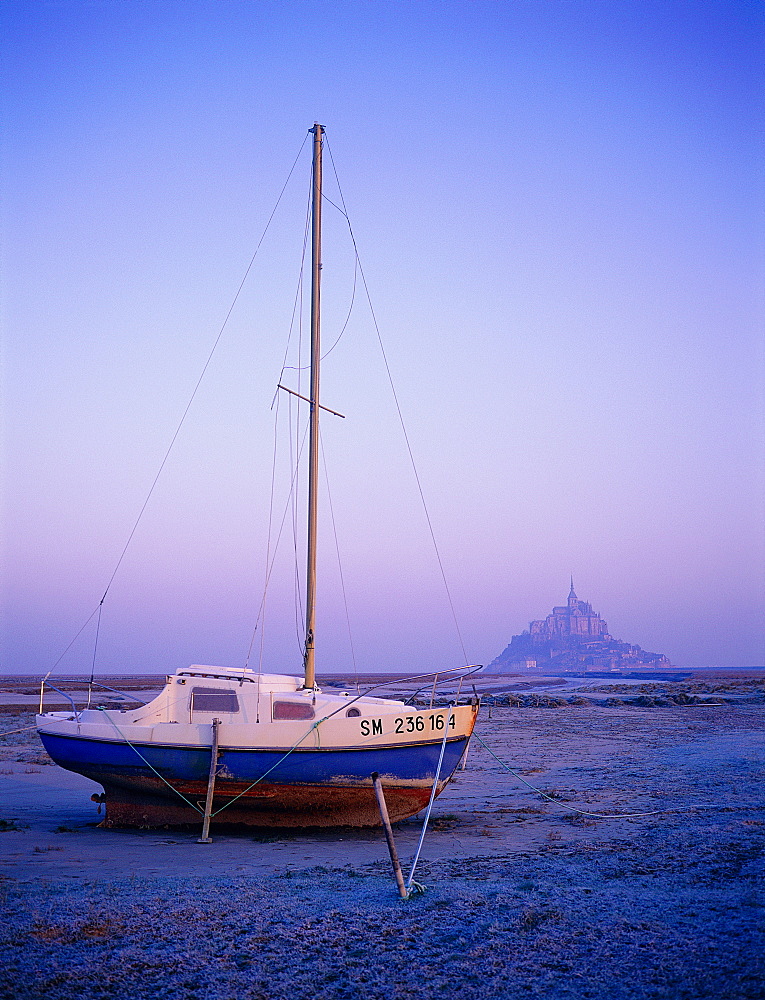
(572, 639)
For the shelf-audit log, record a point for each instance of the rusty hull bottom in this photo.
(296, 806)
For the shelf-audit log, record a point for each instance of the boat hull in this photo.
(150, 785)
(145, 805)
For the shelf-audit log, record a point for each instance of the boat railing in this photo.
(122, 694)
(58, 691)
(45, 682)
(439, 676)
(466, 672)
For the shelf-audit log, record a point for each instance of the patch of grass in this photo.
(532, 917)
(61, 933)
(446, 822)
(576, 819)
(556, 793)
(12, 824)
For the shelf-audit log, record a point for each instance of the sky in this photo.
(558, 207)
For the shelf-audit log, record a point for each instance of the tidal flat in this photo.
(526, 894)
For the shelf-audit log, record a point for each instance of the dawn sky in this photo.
(558, 207)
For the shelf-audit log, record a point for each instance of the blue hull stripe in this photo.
(407, 762)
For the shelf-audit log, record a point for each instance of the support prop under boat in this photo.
(206, 838)
(389, 834)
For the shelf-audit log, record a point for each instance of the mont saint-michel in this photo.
(572, 638)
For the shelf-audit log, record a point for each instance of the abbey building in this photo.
(572, 637)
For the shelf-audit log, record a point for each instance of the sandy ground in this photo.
(526, 897)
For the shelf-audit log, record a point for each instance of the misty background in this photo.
(558, 207)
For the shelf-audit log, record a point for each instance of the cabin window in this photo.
(214, 700)
(292, 710)
(353, 713)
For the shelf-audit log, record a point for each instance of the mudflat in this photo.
(602, 842)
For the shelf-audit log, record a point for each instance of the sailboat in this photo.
(240, 746)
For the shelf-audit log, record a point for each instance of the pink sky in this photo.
(559, 210)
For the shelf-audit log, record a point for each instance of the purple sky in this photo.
(559, 211)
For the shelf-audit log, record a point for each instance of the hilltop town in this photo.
(573, 638)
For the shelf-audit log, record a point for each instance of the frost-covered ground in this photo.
(526, 896)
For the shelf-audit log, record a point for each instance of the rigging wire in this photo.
(268, 559)
(296, 464)
(184, 414)
(412, 887)
(294, 430)
(297, 305)
(350, 309)
(293, 436)
(340, 567)
(303, 368)
(296, 446)
(204, 368)
(343, 211)
(95, 651)
(270, 568)
(89, 619)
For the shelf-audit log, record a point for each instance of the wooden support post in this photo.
(463, 759)
(205, 838)
(389, 834)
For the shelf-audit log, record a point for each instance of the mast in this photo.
(313, 450)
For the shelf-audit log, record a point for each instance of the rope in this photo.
(410, 890)
(23, 729)
(584, 812)
(149, 765)
(179, 793)
(265, 775)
